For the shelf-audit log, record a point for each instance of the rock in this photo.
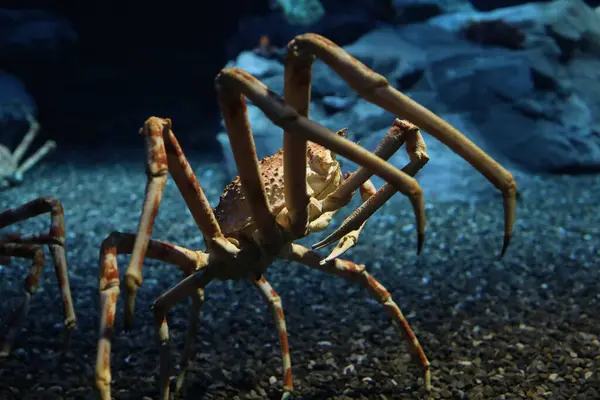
(530, 102)
(412, 11)
(549, 98)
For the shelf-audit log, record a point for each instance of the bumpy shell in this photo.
(233, 210)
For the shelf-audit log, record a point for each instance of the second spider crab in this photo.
(31, 246)
(12, 166)
(277, 200)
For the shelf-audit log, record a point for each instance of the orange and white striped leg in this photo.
(357, 273)
(274, 302)
(54, 239)
(36, 254)
(367, 189)
(124, 243)
(187, 287)
(417, 152)
(164, 155)
(190, 338)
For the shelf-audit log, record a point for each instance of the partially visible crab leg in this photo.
(163, 158)
(190, 337)
(356, 220)
(54, 239)
(35, 158)
(233, 108)
(34, 128)
(400, 132)
(376, 89)
(357, 273)
(350, 228)
(350, 238)
(199, 280)
(235, 80)
(162, 305)
(390, 143)
(36, 254)
(274, 302)
(125, 243)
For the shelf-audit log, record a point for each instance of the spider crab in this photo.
(278, 200)
(11, 167)
(30, 246)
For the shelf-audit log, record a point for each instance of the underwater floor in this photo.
(527, 326)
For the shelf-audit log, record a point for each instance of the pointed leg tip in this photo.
(420, 240)
(505, 245)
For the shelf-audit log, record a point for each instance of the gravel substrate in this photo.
(526, 326)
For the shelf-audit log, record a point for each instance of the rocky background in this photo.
(522, 82)
(519, 79)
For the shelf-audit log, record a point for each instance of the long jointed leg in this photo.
(19, 152)
(36, 254)
(417, 153)
(191, 285)
(296, 92)
(233, 108)
(124, 243)
(357, 273)
(235, 82)
(376, 89)
(391, 142)
(401, 132)
(190, 337)
(187, 287)
(274, 302)
(350, 237)
(164, 155)
(54, 239)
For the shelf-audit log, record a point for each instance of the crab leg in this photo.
(36, 157)
(162, 305)
(417, 152)
(235, 80)
(296, 92)
(34, 128)
(376, 89)
(274, 302)
(190, 337)
(199, 280)
(54, 239)
(124, 243)
(357, 273)
(235, 115)
(350, 238)
(163, 158)
(391, 142)
(36, 254)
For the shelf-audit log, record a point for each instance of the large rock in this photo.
(531, 101)
(539, 105)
